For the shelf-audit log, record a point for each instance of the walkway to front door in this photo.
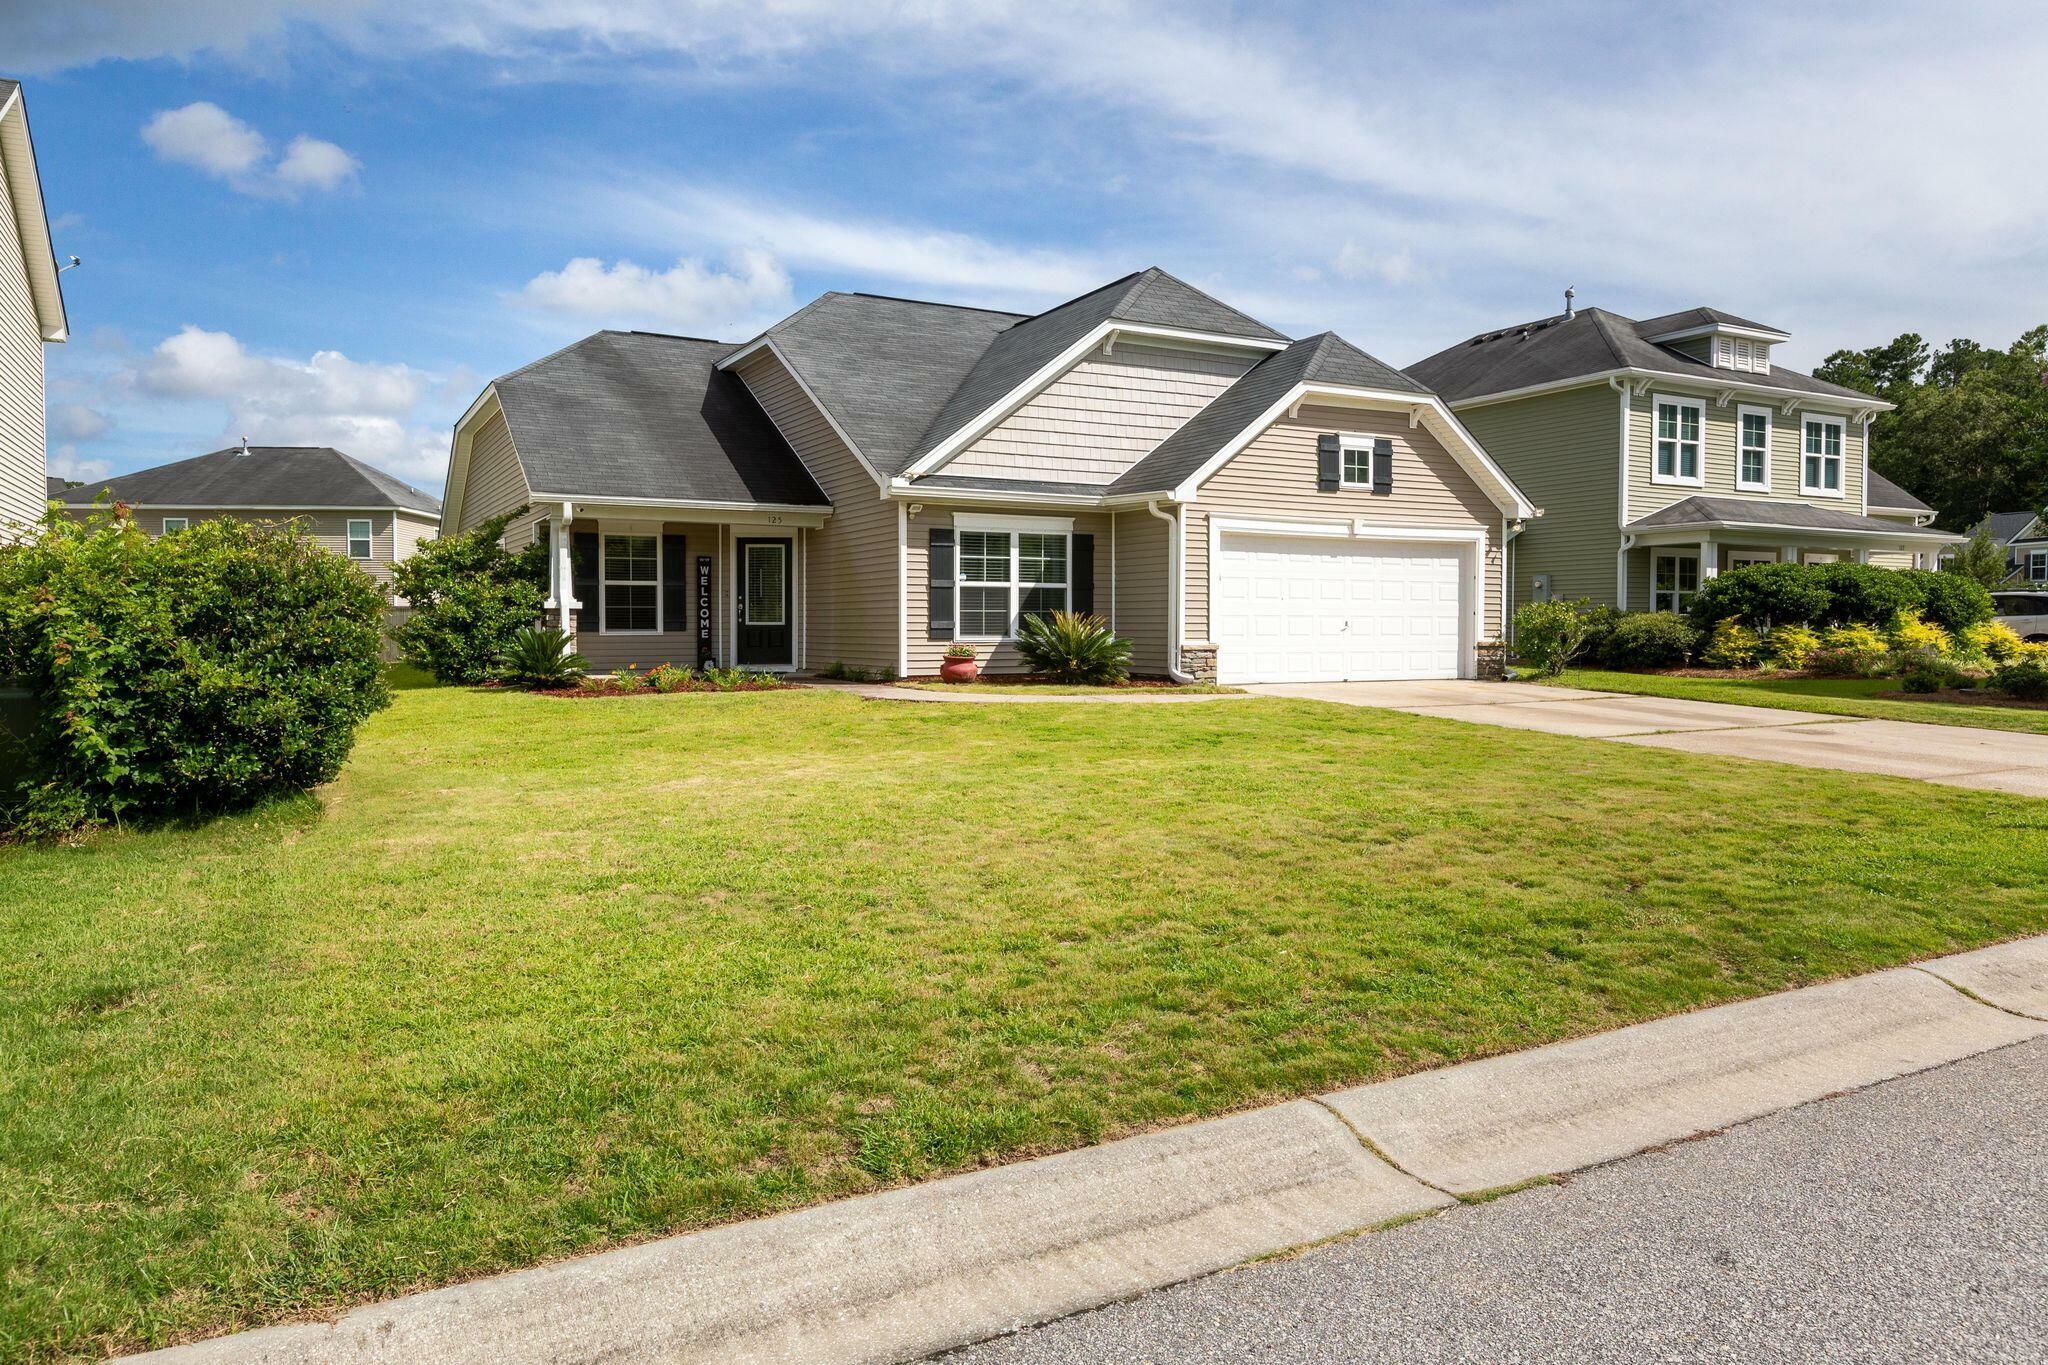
(1954, 755)
(766, 604)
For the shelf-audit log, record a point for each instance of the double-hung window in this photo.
(358, 537)
(1357, 467)
(1678, 440)
(1008, 575)
(632, 584)
(1675, 579)
(1753, 449)
(2037, 566)
(172, 525)
(1820, 466)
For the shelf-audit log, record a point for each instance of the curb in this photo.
(912, 1271)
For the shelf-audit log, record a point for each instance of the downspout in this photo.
(1621, 572)
(1619, 383)
(564, 571)
(1173, 591)
(902, 589)
(1510, 531)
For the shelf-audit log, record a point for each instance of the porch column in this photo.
(563, 574)
(1708, 568)
(1863, 556)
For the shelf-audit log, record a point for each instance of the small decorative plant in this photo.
(1549, 635)
(1732, 645)
(959, 665)
(1072, 648)
(668, 678)
(537, 659)
(630, 679)
(1789, 646)
(2025, 679)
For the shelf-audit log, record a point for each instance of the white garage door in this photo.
(1304, 609)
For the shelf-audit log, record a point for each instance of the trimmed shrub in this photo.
(470, 598)
(195, 672)
(1651, 639)
(1732, 645)
(1073, 648)
(1993, 640)
(1910, 634)
(1951, 600)
(1549, 635)
(1862, 639)
(2025, 679)
(1761, 596)
(539, 659)
(1789, 646)
(1929, 673)
(1859, 594)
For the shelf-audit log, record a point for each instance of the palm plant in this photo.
(543, 658)
(1073, 648)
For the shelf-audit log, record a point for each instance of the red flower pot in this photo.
(959, 670)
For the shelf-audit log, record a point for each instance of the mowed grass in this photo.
(1829, 696)
(538, 976)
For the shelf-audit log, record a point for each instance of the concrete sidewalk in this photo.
(912, 1271)
(1953, 755)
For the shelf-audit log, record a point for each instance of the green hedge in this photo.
(1764, 595)
(471, 598)
(195, 672)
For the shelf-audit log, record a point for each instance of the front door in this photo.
(766, 604)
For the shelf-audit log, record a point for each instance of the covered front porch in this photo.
(642, 584)
(1666, 556)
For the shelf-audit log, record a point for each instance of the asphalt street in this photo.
(1905, 1222)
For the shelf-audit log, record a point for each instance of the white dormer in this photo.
(1723, 342)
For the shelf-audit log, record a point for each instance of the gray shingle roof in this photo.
(268, 476)
(2006, 527)
(885, 367)
(1798, 516)
(1593, 341)
(1326, 358)
(983, 483)
(1686, 319)
(1885, 493)
(642, 415)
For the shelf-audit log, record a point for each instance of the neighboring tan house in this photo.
(873, 479)
(356, 511)
(1665, 451)
(31, 314)
(2024, 538)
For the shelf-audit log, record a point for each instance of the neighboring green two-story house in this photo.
(1663, 452)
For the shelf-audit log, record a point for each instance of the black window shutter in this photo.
(675, 584)
(1329, 462)
(939, 590)
(583, 578)
(1083, 576)
(1382, 465)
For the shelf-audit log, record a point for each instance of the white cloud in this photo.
(78, 422)
(65, 463)
(690, 297)
(370, 410)
(209, 139)
(310, 163)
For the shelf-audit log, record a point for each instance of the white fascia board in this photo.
(24, 188)
(1720, 329)
(1648, 534)
(976, 428)
(767, 343)
(1710, 386)
(1463, 446)
(595, 504)
(903, 491)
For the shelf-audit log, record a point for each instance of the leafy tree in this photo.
(1981, 559)
(471, 597)
(1970, 432)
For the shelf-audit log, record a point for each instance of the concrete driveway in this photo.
(1955, 755)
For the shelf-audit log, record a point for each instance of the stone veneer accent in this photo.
(1199, 662)
(1493, 660)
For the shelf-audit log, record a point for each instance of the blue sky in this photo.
(333, 222)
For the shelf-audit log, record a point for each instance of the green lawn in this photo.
(535, 976)
(1831, 696)
(1054, 689)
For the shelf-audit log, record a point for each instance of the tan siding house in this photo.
(31, 316)
(1667, 451)
(880, 481)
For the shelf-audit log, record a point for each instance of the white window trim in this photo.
(1841, 458)
(369, 538)
(604, 579)
(1347, 443)
(165, 528)
(1742, 411)
(2037, 565)
(1677, 594)
(1741, 559)
(1015, 528)
(1699, 477)
(787, 552)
